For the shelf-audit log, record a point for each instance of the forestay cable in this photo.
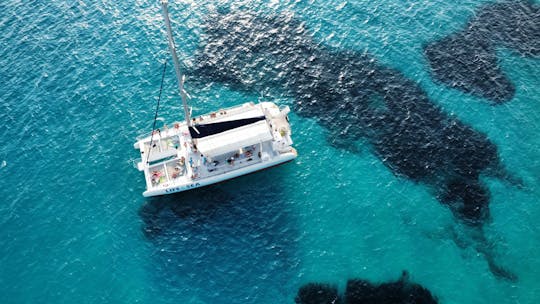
(157, 110)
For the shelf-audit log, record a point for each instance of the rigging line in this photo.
(157, 110)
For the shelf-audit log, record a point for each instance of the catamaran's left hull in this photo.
(180, 187)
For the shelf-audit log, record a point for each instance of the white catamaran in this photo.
(214, 147)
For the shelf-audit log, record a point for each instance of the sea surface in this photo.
(80, 80)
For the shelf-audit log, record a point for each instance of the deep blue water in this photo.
(391, 140)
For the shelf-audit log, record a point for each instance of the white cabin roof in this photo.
(234, 139)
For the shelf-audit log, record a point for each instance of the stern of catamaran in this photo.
(164, 155)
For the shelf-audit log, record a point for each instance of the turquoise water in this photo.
(80, 82)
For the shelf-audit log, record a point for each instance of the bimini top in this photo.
(234, 139)
(203, 130)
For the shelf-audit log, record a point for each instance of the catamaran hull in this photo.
(174, 188)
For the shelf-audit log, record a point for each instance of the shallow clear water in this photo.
(80, 82)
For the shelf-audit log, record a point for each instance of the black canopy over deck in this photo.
(203, 130)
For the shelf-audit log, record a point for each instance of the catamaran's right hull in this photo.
(194, 184)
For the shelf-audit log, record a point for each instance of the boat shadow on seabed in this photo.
(355, 97)
(223, 239)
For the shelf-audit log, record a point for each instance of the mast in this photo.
(179, 75)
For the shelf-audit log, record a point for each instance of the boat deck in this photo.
(171, 161)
